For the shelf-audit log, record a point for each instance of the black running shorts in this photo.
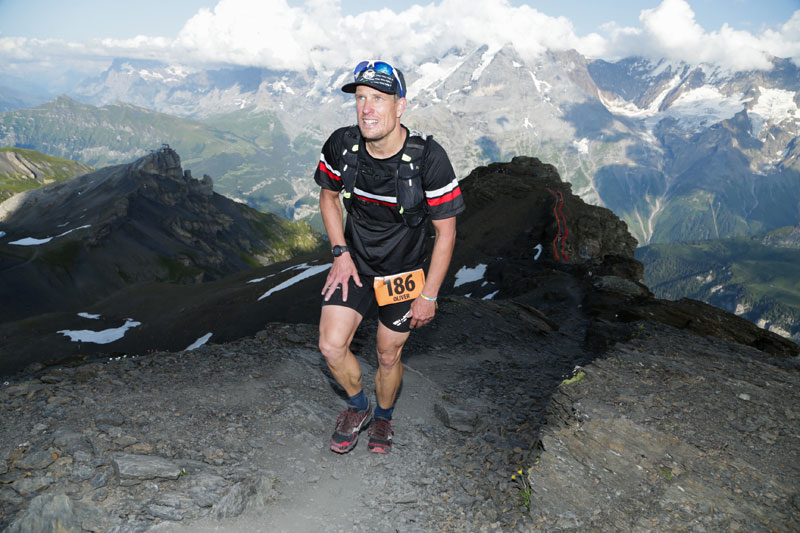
(362, 300)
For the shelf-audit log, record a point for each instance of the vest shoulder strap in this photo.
(414, 153)
(352, 141)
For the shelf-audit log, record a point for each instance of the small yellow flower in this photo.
(513, 476)
(519, 471)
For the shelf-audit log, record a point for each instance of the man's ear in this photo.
(401, 106)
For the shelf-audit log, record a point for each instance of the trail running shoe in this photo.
(348, 426)
(380, 436)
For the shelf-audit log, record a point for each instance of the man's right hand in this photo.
(340, 273)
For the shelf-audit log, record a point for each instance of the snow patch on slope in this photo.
(486, 58)
(433, 74)
(100, 337)
(704, 106)
(773, 105)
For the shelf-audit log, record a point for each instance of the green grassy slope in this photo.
(758, 281)
(22, 170)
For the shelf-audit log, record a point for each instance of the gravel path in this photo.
(235, 437)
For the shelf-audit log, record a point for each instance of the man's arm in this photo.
(343, 267)
(422, 310)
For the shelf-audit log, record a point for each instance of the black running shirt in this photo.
(380, 243)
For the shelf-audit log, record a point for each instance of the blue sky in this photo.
(55, 41)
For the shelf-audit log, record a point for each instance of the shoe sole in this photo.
(379, 448)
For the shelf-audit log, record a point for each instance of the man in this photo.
(380, 253)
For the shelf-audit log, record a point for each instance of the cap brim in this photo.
(351, 87)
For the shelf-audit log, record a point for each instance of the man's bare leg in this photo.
(387, 383)
(390, 368)
(337, 326)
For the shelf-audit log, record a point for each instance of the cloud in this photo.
(670, 31)
(270, 33)
(316, 35)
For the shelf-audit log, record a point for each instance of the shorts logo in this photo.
(400, 321)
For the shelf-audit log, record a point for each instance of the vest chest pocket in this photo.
(410, 196)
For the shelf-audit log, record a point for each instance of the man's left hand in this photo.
(422, 312)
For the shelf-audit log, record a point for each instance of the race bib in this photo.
(399, 287)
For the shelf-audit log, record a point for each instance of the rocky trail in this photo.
(660, 430)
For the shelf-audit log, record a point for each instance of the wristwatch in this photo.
(339, 250)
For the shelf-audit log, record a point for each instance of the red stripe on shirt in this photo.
(333, 176)
(375, 201)
(449, 197)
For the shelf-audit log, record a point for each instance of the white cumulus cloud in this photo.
(671, 31)
(273, 34)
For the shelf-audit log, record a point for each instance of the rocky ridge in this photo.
(146, 221)
(665, 431)
(559, 372)
(784, 237)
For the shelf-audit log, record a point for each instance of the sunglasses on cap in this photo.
(379, 66)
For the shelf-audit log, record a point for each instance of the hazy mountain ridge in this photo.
(653, 140)
(657, 142)
(11, 99)
(255, 168)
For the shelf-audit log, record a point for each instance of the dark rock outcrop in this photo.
(505, 251)
(514, 227)
(521, 218)
(76, 242)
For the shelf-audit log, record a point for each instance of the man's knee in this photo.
(389, 357)
(336, 329)
(333, 347)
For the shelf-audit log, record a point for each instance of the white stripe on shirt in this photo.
(442, 191)
(330, 168)
(365, 194)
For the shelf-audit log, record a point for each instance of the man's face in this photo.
(378, 113)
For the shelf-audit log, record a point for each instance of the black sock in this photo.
(380, 412)
(359, 401)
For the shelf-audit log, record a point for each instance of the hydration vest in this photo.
(411, 205)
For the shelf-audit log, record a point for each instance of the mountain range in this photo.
(679, 152)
